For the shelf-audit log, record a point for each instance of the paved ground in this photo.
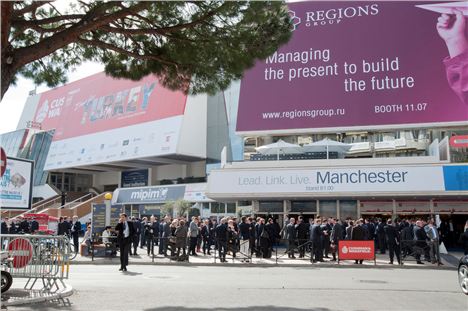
(170, 288)
(449, 261)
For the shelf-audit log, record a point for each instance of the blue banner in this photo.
(456, 177)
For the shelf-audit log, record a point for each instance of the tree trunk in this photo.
(7, 78)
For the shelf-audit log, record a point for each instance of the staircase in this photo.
(80, 207)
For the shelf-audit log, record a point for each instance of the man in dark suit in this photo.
(136, 235)
(336, 235)
(165, 234)
(125, 231)
(291, 236)
(421, 238)
(302, 235)
(4, 229)
(34, 225)
(380, 236)
(358, 233)
(393, 241)
(75, 229)
(62, 227)
(316, 239)
(221, 239)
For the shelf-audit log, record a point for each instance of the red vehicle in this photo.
(47, 224)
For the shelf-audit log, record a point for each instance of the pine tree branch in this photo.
(93, 20)
(104, 45)
(30, 8)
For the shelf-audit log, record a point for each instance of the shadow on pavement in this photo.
(252, 308)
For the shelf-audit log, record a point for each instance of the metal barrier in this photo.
(304, 249)
(37, 257)
(413, 250)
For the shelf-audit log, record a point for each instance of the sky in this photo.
(13, 102)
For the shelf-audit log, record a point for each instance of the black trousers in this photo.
(222, 249)
(124, 248)
(317, 250)
(193, 244)
(75, 241)
(149, 245)
(394, 249)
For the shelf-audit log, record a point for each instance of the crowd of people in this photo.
(246, 237)
(243, 238)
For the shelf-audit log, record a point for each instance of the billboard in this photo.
(101, 119)
(134, 178)
(338, 181)
(350, 65)
(16, 184)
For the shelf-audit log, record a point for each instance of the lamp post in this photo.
(107, 202)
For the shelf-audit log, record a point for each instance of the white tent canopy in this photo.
(327, 145)
(280, 147)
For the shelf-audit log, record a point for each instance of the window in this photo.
(217, 208)
(270, 207)
(303, 207)
(231, 208)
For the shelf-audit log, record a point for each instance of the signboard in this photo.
(98, 217)
(459, 141)
(196, 193)
(149, 195)
(356, 250)
(3, 162)
(16, 184)
(348, 65)
(21, 251)
(136, 178)
(101, 119)
(280, 182)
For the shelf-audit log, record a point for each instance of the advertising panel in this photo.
(148, 195)
(102, 119)
(16, 184)
(349, 65)
(356, 250)
(280, 182)
(136, 178)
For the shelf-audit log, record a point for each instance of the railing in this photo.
(413, 250)
(37, 257)
(79, 207)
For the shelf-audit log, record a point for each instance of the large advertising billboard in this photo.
(16, 184)
(363, 180)
(360, 65)
(102, 119)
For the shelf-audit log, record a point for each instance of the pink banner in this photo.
(359, 65)
(99, 103)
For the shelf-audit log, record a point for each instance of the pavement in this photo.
(279, 259)
(256, 288)
(449, 261)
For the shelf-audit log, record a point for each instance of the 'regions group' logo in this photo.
(42, 112)
(295, 21)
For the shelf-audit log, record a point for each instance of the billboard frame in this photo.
(31, 182)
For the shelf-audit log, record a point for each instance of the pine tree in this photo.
(194, 46)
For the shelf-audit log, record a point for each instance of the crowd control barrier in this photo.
(37, 257)
(413, 250)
